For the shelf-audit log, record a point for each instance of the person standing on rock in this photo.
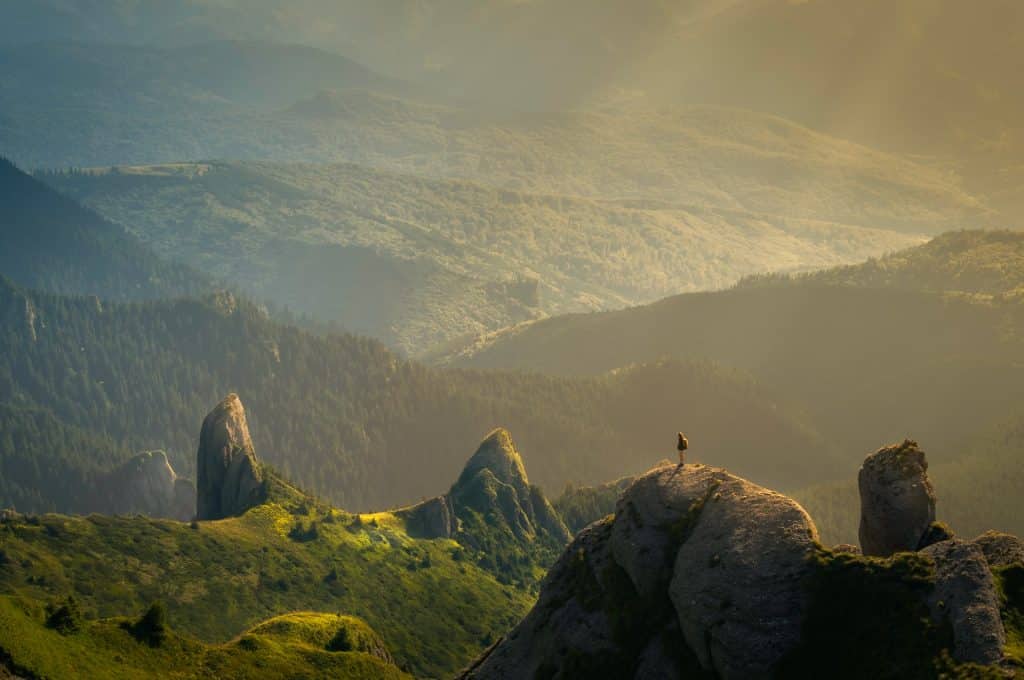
(681, 447)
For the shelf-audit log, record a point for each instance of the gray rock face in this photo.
(649, 514)
(702, 573)
(710, 565)
(897, 500)
(739, 581)
(565, 621)
(965, 595)
(432, 518)
(229, 477)
(147, 485)
(1001, 550)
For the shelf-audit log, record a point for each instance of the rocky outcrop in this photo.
(897, 500)
(700, 573)
(229, 479)
(965, 596)
(433, 518)
(699, 569)
(739, 580)
(494, 482)
(147, 485)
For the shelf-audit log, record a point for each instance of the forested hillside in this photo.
(49, 241)
(983, 264)
(341, 415)
(857, 358)
(416, 262)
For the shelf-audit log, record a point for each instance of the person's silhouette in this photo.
(681, 446)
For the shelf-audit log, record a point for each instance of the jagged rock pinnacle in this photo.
(229, 477)
(897, 500)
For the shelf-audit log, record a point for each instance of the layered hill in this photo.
(51, 242)
(306, 644)
(934, 79)
(416, 261)
(929, 74)
(985, 265)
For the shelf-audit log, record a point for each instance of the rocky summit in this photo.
(700, 573)
(897, 500)
(698, 569)
(230, 480)
(493, 485)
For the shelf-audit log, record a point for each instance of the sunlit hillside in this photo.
(417, 262)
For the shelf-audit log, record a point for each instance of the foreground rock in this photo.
(965, 596)
(739, 581)
(1000, 550)
(229, 479)
(699, 569)
(700, 573)
(147, 485)
(897, 500)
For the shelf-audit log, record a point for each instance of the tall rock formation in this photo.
(897, 500)
(494, 482)
(229, 479)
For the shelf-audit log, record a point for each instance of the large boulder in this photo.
(965, 596)
(897, 500)
(148, 485)
(699, 571)
(568, 621)
(229, 479)
(651, 515)
(432, 518)
(739, 580)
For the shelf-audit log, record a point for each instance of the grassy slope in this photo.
(434, 609)
(298, 235)
(105, 649)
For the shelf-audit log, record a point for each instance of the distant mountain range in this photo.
(937, 80)
(927, 75)
(417, 262)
